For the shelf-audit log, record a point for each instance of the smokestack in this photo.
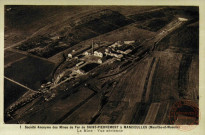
(92, 47)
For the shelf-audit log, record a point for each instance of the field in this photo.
(164, 87)
(76, 31)
(153, 21)
(152, 95)
(30, 72)
(57, 110)
(73, 30)
(12, 92)
(11, 57)
(85, 113)
(189, 41)
(154, 24)
(33, 20)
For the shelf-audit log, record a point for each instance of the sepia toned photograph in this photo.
(101, 64)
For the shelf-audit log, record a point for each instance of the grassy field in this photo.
(23, 21)
(126, 94)
(12, 92)
(75, 31)
(11, 57)
(183, 45)
(65, 27)
(186, 38)
(30, 71)
(85, 113)
(193, 80)
(154, 24)
(59, 108)
(32, 20)
(165, 79)
(153, 21)
(129, 32)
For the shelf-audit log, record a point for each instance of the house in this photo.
(182, 19)
(70, 55)
(100, 61)
(128, 51)
(80, 71)
(119, 51)
(103, 59)
(129, 42)
(119, 56)
(107, 50)
(116, 44)
(80, 63)
(114, 54)
(98, 54)
(87, 53)
(55, 38)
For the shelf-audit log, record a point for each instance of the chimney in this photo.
(92, 47)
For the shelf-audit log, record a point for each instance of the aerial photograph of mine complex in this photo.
(99, 64)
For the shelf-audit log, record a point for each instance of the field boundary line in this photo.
(19, 84)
